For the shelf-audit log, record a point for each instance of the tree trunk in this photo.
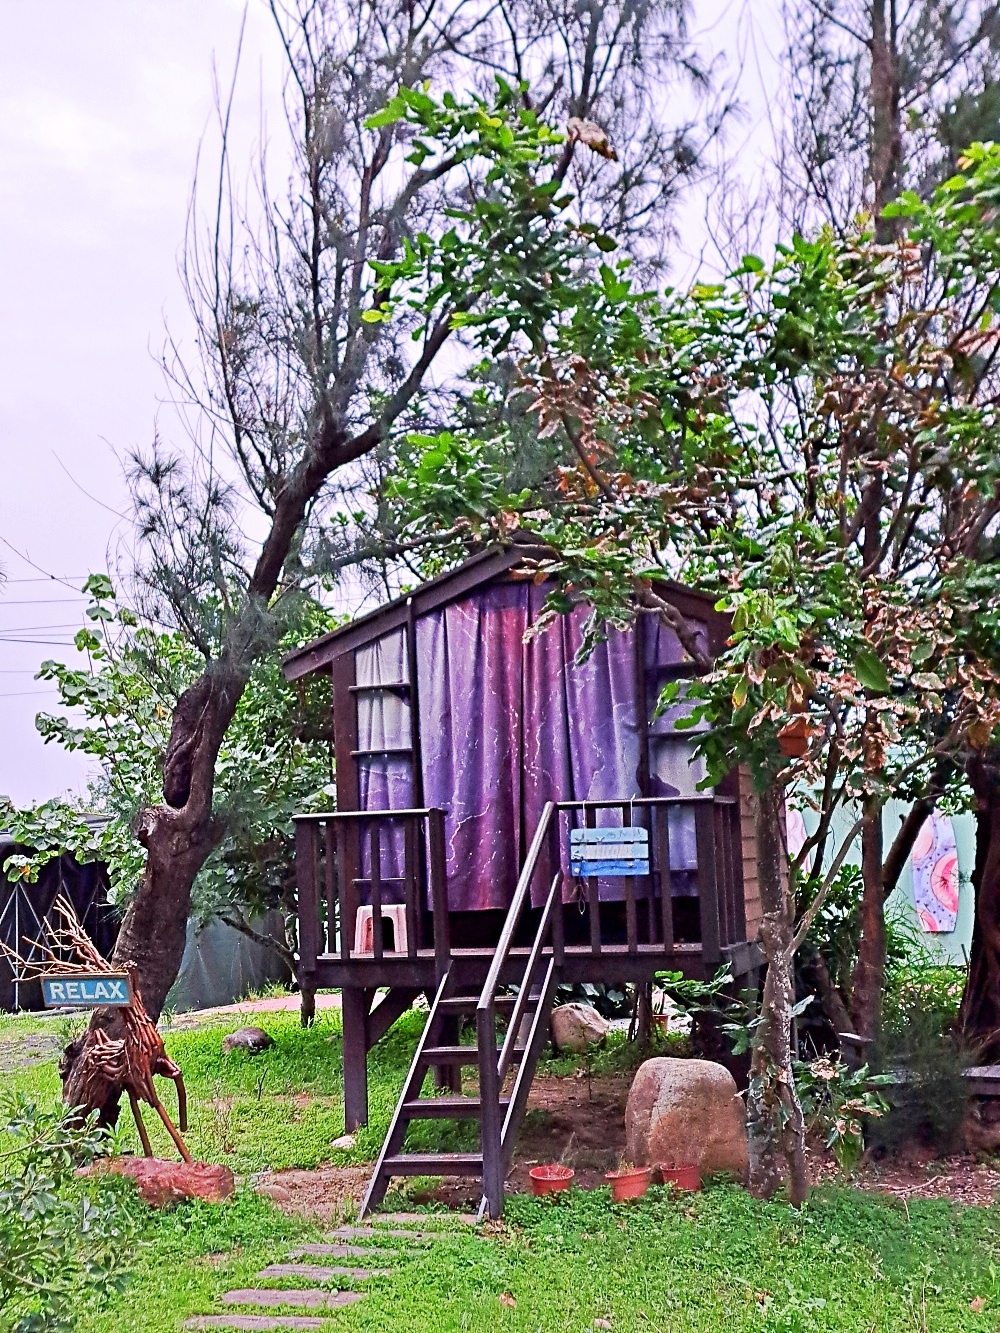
(886, 156)
(979, 1015)
(179, 836)
(774, 1117)
(869, 974)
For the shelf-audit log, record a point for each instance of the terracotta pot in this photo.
(630, 1183)
(686, 1177)
(551, 1179)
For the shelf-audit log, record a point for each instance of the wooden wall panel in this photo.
(751, 885)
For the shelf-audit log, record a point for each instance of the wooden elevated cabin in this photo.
(506, 819)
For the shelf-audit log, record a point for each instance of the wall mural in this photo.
(935, 875)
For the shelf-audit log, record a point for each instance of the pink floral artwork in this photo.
(935, 875)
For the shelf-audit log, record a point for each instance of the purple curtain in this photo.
(507, 724)
(385, 779)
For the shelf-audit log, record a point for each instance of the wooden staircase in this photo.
(498, 1109)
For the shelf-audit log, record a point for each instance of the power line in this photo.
(49, 578)
(40, 643)
(37, 629)
(43, 601)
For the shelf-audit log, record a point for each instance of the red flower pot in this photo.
(552, 1179)
(630, 1183)
(687, 1177)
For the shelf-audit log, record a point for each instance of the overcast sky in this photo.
(102, 108)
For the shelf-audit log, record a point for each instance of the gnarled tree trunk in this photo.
(869, 975)
(774, 1116)
(179, 836)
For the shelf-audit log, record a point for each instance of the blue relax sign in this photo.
(599, 852)
(87, 992)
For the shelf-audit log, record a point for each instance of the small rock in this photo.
(344, 1144)
(270, 1189)
(686, 1111)
(251, 1040)
(575, 1027)
(161, 1183)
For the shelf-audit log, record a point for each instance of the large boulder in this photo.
(686, 1111)
(575, 1027)
(161, 1183)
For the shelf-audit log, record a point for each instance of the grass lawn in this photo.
(677, 1264)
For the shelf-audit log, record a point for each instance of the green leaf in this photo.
(871, 672)
(391, 113)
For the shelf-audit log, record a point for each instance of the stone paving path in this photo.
(346, 1242)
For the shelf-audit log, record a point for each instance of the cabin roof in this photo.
(473, 573)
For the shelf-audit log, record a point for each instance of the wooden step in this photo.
(434, 1164)
(467, 1004)
(461, 1055)
(446, 1108)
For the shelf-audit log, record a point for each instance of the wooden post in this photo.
(330, 884)
(489, 1111)
(354, 1014)
(439, 893)
(555, 863)
(308, 903)
(593, 895)
(375, 851)
(661, 821)
(708, 891)
(343, 873)
(411, 892)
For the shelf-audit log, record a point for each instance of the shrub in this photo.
(58, 1241)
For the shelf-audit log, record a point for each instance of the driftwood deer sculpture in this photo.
(110, 1065)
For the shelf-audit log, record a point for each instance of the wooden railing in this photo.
(339, 861)
(343, 853)
(718, 874)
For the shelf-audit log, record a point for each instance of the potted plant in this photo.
(551, 1178)
(686, 1176)
(629, 1182)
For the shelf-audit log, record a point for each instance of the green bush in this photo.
(58, 1241)
(918, 1044)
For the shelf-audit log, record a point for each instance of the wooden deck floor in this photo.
(615, 963)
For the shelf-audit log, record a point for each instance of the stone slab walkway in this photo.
(346, 1242)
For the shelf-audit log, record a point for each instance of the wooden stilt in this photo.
(354, 1011)
(181, 1146)
(182, 1103)
(137, 1117)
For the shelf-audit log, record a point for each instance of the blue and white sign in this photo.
(614, 852)
(84, 991)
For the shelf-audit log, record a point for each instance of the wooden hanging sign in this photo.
(613, 852)
(83, 990)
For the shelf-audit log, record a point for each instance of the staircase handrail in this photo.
(521, 895)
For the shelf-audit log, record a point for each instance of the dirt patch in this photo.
(323, 1193)
(21, 1051)
(583, 1126)
(961, 1178)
